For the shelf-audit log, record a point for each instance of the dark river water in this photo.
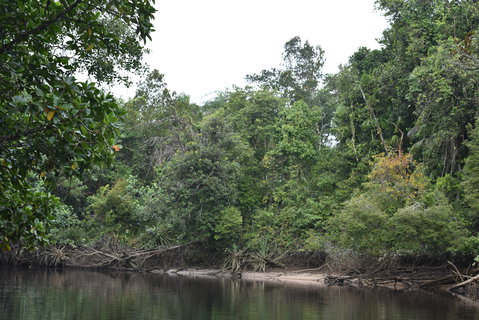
(74, 295)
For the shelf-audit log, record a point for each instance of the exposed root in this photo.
(104, 256)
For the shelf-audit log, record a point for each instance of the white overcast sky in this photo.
(210, 45)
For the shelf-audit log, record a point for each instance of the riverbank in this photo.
(285, 276)
(313, 277)
(312, 269)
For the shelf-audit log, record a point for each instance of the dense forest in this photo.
(379, 159)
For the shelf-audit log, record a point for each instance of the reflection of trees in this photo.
(57, 294)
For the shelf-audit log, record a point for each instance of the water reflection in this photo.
(68, 294)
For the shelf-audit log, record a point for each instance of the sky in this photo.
(207, 46)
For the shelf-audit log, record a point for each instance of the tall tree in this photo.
(405, 93)
(195, 186)
(300, 75)
(159, 123)
(49, 121)
(471, 175)
(444, 90)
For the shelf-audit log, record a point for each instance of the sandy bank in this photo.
(299, 277)
(306, 277)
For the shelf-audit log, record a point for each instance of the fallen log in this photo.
(464, 283)
(451, 279)
(438, 282)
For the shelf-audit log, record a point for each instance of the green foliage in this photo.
(470, 178)
(300, 161)
(434, 230)
(72, 191)
(449, 186)
(229, 225)
(24, 212)
(396, 214)
(68, 229)
(65, 228)
(471, 169)
(301, 74)
(419, 94)
(51, 123)
(197, 185)
(156, 235)
(159, 123)
(284, 227)
(116, 207)
(253, 114)
(469, 246)
(296, 134)
(444, 89)
(361, 226)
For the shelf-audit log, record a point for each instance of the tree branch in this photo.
(25, 35)
(29, 132)
(376, 121)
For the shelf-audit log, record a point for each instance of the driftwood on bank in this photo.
(453, 279)
(438, 282)
(93, 258)
(465, 283)
(107, 255)
(384, 273)
(388, 272)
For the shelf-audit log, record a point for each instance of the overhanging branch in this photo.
(25, 35)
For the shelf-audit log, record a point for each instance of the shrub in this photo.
(433, 230)
(229, 226)
(361, 226)
(116, 207)
(399, 212)
(68, 229)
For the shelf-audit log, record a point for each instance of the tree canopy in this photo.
(50, 122)
(379, 158)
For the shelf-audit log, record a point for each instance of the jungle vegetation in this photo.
(381, 158)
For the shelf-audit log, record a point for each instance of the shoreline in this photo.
(296, 277)
(309, 279)
(173, 261)
(268, 276)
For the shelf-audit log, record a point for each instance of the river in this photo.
(77, 295)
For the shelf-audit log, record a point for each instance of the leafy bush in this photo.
(229, 226)
(156, 235)
(25, 214)
(117, 207)
(399, 212)
(361, 226)
(68, 229)
(433, 230)
(395, 181)
(470, 181)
